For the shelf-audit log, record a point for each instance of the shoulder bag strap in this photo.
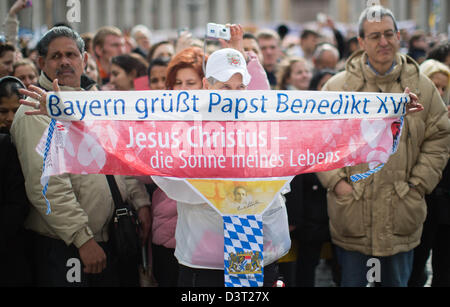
(117, 197)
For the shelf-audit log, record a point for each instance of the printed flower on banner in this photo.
(329, 139)
(379, 140)
(328, 136)
(90, 151)
(372, 131)
(353, 147)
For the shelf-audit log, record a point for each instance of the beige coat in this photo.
(383, 216)
(81, 205)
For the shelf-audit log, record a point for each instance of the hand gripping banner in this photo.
(248, 144)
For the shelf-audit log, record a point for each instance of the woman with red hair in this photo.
(185, 71)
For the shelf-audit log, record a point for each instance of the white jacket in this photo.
(199, 232)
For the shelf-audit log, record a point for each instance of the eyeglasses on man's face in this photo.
(376, 36)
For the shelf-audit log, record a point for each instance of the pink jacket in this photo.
(164, 214)
(259, 79)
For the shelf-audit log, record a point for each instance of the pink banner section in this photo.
(222, 149)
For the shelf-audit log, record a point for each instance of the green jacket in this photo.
(383, 216)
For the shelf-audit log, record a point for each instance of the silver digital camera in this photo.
(216, 31)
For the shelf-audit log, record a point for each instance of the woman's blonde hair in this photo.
(430, 67)
(285, 71)
(25, 62)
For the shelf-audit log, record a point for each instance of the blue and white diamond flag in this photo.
(243, 251)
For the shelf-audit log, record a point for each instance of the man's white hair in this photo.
(325, 47)
(141, 28)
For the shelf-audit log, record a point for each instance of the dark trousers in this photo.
(15, 266)
(307, 261)
(55, 265)
(441, 257)
(165, 266)
(190, 277)
(437, 238)
(302, 273)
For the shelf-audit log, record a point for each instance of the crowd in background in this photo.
(131, 60)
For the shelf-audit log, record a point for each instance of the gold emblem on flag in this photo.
(245, 263)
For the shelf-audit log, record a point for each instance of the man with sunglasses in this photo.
(376, 223)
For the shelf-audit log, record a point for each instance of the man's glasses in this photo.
(376, 36)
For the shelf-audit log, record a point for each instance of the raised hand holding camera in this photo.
(217, 31)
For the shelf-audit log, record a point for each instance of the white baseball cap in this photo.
(224, 63)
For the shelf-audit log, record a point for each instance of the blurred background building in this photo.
(165, 15)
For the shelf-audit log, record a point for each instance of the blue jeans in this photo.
(394, 271)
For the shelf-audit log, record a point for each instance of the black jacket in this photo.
(438, 202)
(307, 209)
(14, 207)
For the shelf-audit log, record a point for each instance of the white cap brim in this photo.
(225, 75)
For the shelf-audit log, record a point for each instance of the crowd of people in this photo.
(397, 215)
